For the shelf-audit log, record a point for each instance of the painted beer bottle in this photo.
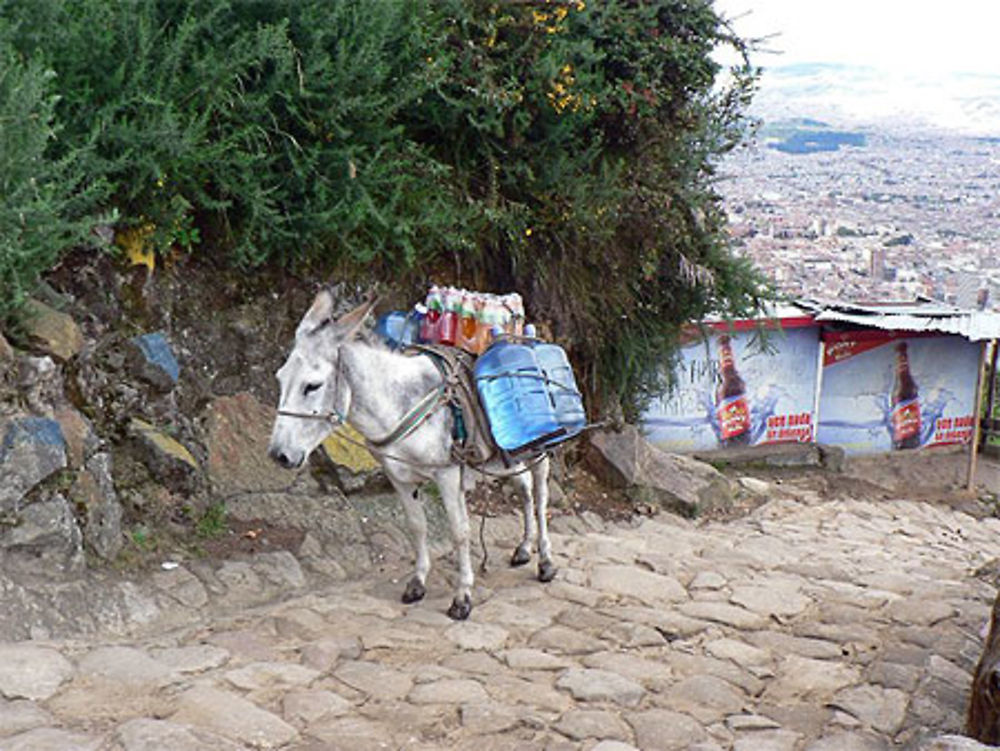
(731, 407)
(905, 404)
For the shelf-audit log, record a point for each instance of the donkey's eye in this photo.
(310, 387)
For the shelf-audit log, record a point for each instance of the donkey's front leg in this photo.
(450, 484)
(540, 482)
(414, 507)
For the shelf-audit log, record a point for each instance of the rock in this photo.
(449, 691)
(665, 730)
(881, 708)
(152, 360)
(193, 659)
(471, 635)
(7, 353)
(768, 740)
(168, 460)
(802, 677)
(721, 612)
(630, 581)
(261, 675)
(81, 439)
(125, 666)
(234, 717)
(770, 599)
(739, 652)
(30, 672)
(563, 640)
(94, 492)
(533, 659)
(489, 717)
(771, 454)
(48, 530)
(954, 743)
(40, 383)
(238, 429)
(20, 715)
(32, 449)
(145, 734)
(379, 681)
(52, 332)
(52, 739)
(355, 467)
(707, 698)
(590, 684)
(650, 476)
(580, 724)
(310, 705)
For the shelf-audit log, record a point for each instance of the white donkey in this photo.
(333, 376)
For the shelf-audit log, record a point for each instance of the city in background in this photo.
(868, 187)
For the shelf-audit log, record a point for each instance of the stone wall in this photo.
(134, 400)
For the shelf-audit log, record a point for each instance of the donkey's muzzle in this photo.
(283, 459)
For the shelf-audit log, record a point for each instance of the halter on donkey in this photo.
(333, 377)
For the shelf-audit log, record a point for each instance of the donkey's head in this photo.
(312, 398)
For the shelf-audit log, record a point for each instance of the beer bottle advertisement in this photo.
(730, 390)
(896, 391)
(905, 403)
(732, 408)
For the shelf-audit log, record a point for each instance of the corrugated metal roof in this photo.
(975, 325)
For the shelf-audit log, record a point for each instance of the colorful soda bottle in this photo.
(467, 323)
(489, 318)
(448, 330)
(430, 326)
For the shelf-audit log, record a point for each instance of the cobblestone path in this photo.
(807, 625)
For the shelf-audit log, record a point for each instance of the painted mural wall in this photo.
(732, 392)
(885, 391)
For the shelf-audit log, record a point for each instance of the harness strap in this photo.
(415, 417)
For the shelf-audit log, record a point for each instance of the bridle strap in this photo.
(412, 420)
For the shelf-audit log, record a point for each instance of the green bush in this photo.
(564, 149)
(42, 202)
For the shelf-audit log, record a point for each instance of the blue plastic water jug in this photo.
(398, 329)
(514, 396)
(561, 386)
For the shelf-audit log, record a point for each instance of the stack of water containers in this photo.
(528, 392)
(526, 385)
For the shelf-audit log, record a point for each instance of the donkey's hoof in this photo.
(415, 591)
(460, 609)
(521, 555)
(546, 571)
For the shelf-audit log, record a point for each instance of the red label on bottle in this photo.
(734, 417)
(905, 420)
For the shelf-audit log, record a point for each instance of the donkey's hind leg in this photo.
(540, 483)
(522, 553)
(413, 505)
(449, 482)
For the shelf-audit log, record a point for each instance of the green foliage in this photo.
(213, 523)
(564, 149)
(585, 137)
(41, 200)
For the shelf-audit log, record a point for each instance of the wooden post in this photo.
(991, 373)
(976, 419)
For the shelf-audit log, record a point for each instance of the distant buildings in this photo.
(900, 217)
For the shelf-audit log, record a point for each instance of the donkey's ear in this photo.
(349, 323)
(319, 314)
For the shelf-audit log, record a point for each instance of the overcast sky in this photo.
(901, 36)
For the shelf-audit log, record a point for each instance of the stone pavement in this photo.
(808, 625)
